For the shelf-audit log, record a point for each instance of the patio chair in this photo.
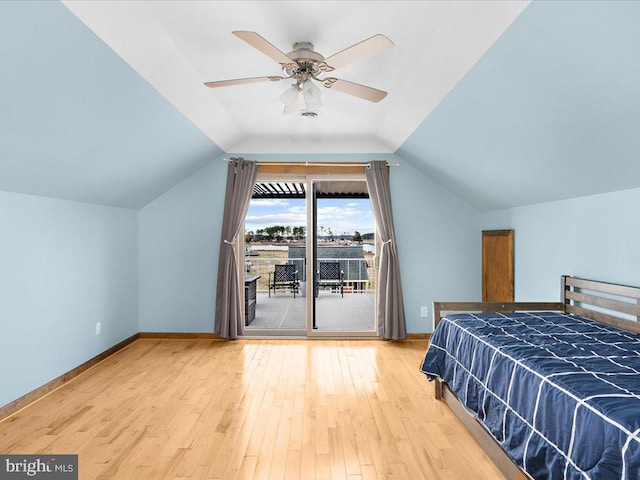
(283, 276)
(330, 275)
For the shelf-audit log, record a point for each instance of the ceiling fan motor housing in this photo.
(303, 51)
(305, 62)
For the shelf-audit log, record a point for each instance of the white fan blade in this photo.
(256, 41)
(240, 81)
(366, 48)
(357, 90)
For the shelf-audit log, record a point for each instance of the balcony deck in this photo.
(355, 312)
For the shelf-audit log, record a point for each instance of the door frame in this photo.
(506, 284)
(337, 174)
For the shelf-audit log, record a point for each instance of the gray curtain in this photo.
(391, 321)
(241, 176)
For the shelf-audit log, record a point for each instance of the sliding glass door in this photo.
(309, 257)
(343, 257)
(274, 257)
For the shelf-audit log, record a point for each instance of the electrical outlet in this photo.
(98, 328)
(424, 311)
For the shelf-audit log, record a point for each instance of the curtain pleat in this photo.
(241, 176)
(390, 304)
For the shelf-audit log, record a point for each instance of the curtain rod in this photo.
(316, 164)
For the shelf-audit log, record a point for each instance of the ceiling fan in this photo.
(303, 65)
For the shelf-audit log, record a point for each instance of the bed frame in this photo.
(617, 305)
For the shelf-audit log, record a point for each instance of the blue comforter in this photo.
(560, 393)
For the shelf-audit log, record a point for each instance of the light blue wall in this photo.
(76, 123)
(549, 112)
(179, 236)
(438, 239)
(63, 267)
(594, 237)
(79, 123)
(439, 243)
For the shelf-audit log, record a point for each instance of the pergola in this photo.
(324, 189)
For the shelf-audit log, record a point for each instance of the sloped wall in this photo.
(549, 112)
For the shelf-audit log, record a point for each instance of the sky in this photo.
(341, 215)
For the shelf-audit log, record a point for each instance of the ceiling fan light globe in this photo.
(311, 92)
(290, 96)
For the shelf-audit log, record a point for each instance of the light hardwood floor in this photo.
(200, 409)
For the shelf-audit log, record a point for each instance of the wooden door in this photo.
(497, 266)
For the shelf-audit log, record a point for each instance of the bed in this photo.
(549, 390)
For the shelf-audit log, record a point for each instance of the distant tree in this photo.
(330, 233)
(274, 232)
(298, 232)
(357, 237)
(248, 236)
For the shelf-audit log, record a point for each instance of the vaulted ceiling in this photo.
(177, 46)
(505, 103)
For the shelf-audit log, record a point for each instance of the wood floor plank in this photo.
(292, 470)
(252, 409)
(323, 466)
(247, 468)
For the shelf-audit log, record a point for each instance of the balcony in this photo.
(355, 311)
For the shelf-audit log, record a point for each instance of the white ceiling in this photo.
(176, 46)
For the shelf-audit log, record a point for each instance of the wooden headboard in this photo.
(617, 305)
